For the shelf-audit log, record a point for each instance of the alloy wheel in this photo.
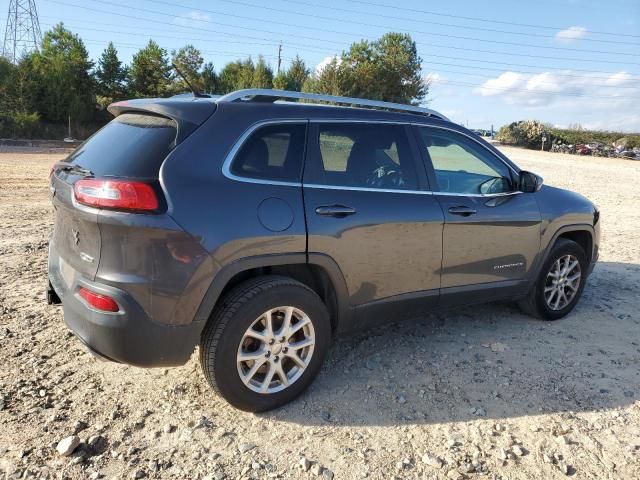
(276, 349)
(562, 282)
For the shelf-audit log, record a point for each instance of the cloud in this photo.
(572, 33)
(326, 61)
(550, 87)
(606, 97)
(434, 78)
(193, 18)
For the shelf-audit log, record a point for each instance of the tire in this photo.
(246, 309)
(536, 303)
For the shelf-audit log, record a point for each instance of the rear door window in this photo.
(364, 155)
(132, 145)
(272, 152)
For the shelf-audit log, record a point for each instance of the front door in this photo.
(368, 207)
(492, 231)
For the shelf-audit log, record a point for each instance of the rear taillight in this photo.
(116, 194)
(99, 301)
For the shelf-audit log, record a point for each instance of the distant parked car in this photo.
(258, 230)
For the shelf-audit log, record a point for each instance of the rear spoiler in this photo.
(188, 114)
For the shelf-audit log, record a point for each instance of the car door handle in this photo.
(462, 210)
(335, 211)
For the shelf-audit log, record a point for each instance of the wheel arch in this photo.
(582, 234)
(319, 272)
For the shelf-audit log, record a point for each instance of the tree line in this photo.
(46, 87)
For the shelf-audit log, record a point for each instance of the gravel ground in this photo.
(482, 392)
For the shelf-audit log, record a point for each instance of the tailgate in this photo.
(76, 235)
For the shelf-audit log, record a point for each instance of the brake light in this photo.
(98, 301)
(116, 194)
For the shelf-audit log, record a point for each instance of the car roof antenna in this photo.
(195, 92)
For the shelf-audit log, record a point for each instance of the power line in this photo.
(452, 82)
(534, 73)
(509, 64)
(309, 48)
(157, 35)
(213, 52)
(355, 22)
(474, 67)
(601, 85)
(466, 27)
(316, 39)
(538, 92)
(481, 19)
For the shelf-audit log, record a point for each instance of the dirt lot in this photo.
(483, 392)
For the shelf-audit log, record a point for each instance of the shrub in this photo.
(573, 137)
(29, 125)
(19, 125)
(525, 133)
(529, 133)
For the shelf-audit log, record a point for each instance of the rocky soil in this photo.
(482, 392)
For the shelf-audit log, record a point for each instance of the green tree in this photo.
(262, 75)
(189, 61)
(327, 81)
(386, 69)
(297, 74)
(7, 72)
(294, 77)
(399, 70)
(111, 76)
(236, 75)
(280, 81)
(209, 79)
(150, 73)
(60, 76)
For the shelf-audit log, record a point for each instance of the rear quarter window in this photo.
(272, 152)
(131, 145)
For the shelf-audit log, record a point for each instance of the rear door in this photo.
(492, 231)
(368, 207)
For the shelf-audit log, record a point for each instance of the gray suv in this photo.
(258, 226)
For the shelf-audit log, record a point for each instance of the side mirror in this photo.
(529, 182)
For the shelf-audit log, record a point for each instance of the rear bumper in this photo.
(128, 336)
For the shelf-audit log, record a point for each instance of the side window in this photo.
(273, 152)
(462, 166)
(364, 155)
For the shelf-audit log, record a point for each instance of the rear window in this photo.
(131, 145)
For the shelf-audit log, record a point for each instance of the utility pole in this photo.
(279, 57)
(22, 33)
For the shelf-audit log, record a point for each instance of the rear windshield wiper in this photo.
(73, 168)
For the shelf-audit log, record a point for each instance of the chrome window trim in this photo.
(226, 165)
(360, 120)
(479, 195)
(365, 189)
(415, 192)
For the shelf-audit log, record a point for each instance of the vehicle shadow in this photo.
(488, 361)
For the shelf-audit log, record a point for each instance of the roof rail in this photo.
(269, 95)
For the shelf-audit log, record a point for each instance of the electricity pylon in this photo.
(22, 33)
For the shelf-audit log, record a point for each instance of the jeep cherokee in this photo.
(258, 227)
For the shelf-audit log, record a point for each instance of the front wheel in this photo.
(265, 343)
(560, 282)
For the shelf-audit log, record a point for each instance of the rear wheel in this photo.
(560, 282)
(265, 343)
